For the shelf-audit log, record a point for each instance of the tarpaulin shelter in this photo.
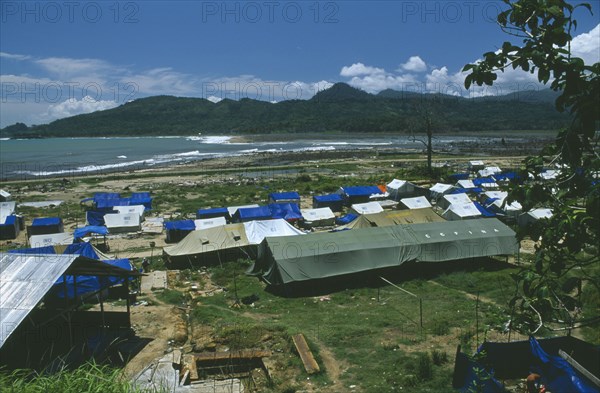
(446, 200)
(141, 198)
(346, 218)
(485, 182)
(485, 212)
(177, 230)
(439, 189)
(318, 217)
(333, 201)
(495, 202)
(475, 165)
(534, 215)
(213, 213)
(284, 260)
(390, 218)
(367, 208)
(256, 231)
(401, 189)
(465, 184)
(9, 227)
(233, 209)
(361, 194)
(6, 209)
(208, 246)
(121, 223)
(518, 359)
(131, 209)
(288, 211)
(244, 214)
(415, 203)
(206, 223)
(458, 190)
(461, 211)
(489, 171)
(50, 239)
(284, 197)
(95, 218)
(88, 230)
(43, 226)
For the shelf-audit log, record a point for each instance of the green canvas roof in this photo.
(283, 260)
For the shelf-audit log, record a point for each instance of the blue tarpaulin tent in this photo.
(177, 230)
(333, 201)
(45, 226)
(483, 180)
(484, 210)
(346, 219)
(518, 359)
(141, 198)
(108, 204)
(90, 229)
(35, 250)
(276, 197)
(359, 194)
(97, 218)
(245, 214)
(213, 213)
(476, 190)
(84, 249)
(287, 211)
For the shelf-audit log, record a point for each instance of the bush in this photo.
(424, 367)
(439, 357)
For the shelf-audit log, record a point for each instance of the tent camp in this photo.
(206, 223)
(401, 189)
(446, 200)
(333, 201)
(461, 211)
(318, 217)
(50, 239)
(132, 209)
(244, 214)
(284, 260)
(532, 216)
(367, 208)
(361, 194)
(284, 197)
(213, 213)
(120, 223)
(256, 231)
(43, 226)
(415, 203)
(439, 189)
(208, 246)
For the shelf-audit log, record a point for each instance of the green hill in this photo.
(341, 108)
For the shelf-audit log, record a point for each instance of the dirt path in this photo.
(333, 367)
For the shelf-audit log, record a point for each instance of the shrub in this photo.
(424, 367)
(439, 357)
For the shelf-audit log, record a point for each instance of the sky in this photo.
(62, 58)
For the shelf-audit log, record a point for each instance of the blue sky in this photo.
(63, 58)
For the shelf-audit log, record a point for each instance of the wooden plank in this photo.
(579, 367)
(185, 377)
(190, 364)
(310, 364)
(247, 354)
(177, 355)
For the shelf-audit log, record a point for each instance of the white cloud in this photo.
(159, 81)
(358, 69)
(13, 56)
(68, 68)
(414, 64)
(72, 107)
(587, 46)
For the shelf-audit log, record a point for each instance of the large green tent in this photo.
(283, 260)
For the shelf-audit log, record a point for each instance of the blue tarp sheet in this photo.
(287, 211)
(212, 213)
(87, 230)
(476, 190)
(35, 250)
(96, 218)
(140, 195)
(182, 225)
(83, 249)
(106, 195)
(346, 219)
(518, 359)
(483, 210)
(284, 196)
(108, 204)
(40, 222)
(512, 176)
(459, 176)
(141, 198)
(328, 198)
(10, 220)
(357, 191)
(482, 180)
(253, 213)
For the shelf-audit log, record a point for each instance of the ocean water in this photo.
(34, 158)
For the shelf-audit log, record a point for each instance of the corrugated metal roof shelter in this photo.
(25, 279)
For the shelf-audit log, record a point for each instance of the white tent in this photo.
(117, 223)
(460, 211)
(322, 216)
(205, 223)
(233, 209)
(400, 189)
(513, 209)
(52, 239)
(133, 209)
(476, 165)
(533, 215)
(439, 189)
(449, 199)
(6, 209)
(256, 231)
(466, 184)
(367, 208)
(489, 171)
(490, 185)
(415, 203)
(4, 196)
(388, 204)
